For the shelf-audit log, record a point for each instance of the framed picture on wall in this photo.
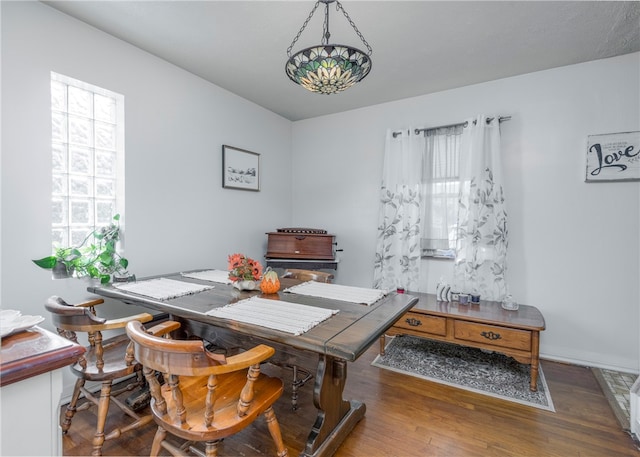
(613, 157)
(240, 169)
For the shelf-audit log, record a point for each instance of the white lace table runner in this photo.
(220, 276)
(162, 288)
(275, 314)
(338, 292)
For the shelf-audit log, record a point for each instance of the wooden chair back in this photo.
(104, 361)
(95, 365)
(308, 275)
(194, 400)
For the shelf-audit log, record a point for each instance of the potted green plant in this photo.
(96, 257)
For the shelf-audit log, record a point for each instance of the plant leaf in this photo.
(93, 271)
(106, 259)
(73, 254)
(46, 262)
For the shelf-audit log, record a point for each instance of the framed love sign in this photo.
(613, 157)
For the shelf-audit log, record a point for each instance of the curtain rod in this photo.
(464, 124)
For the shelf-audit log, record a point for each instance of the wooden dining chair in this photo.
(308, 275)
(105, 361)
(201, 396)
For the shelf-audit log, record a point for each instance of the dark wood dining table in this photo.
(324, 350)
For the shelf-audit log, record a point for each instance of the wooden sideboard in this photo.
(485, 326)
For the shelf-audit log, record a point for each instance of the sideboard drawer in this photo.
(490, 334)
(424, 324)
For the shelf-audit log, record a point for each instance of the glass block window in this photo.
(87, 145)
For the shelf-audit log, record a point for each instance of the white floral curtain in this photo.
(397, 262)
(482, 235)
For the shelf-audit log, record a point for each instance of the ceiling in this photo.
(419, 47)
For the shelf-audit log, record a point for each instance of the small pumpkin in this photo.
(270, 283)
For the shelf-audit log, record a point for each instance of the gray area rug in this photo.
(488, 373)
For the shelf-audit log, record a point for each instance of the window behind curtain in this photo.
(87, 144)
(441, 181)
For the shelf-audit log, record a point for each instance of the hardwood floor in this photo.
(407, 416)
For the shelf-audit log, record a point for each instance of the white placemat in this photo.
(221, 276)
(338, 292)
(162, 288)
(275, 314)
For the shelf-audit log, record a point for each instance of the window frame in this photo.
(67, 174)
(449, 177)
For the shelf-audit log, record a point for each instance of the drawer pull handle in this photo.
(491, 335)
(412, 321)
(300, 237)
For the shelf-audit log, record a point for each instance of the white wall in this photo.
(574, 247)
(178, 216)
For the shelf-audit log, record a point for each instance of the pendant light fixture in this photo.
(328, 68)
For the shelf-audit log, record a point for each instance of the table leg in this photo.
(336, 416)
(535, 360)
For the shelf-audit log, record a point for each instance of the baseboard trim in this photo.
(587, 364)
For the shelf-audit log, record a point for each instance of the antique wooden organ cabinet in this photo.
(301, 248)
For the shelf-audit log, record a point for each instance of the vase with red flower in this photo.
(244, 272)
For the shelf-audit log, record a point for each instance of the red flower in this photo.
(242, 267)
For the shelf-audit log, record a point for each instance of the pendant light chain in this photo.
(339, 7)
(325, 28)
(302, 28)
(325, 31)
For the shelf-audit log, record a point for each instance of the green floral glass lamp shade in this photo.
(328, 68)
